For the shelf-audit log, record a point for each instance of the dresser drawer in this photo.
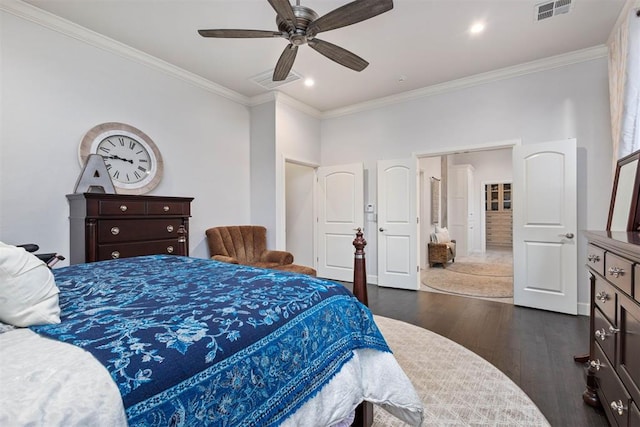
(619, 271)
(595, 258)
(634, 415)
(605, 299)
(605, 334)
(121, 207)
(126, 250)
(611, 391)
(167, 208)
(123, 230)
(629, 358)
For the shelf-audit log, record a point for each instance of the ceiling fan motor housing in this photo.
(304, 16)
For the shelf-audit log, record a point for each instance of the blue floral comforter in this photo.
(198, 342)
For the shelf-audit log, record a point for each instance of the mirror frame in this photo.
(633, 221)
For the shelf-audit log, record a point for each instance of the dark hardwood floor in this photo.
(534, 348)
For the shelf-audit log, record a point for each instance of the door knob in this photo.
(567, 235)
(381, 229)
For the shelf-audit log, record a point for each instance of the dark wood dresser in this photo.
(613, 377)
(109, 226)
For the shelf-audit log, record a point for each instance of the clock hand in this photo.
(118, 158)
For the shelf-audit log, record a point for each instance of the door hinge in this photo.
(418, 220)
(418, 268)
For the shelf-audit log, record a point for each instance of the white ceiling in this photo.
(419, 43)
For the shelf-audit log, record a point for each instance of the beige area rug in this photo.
(482, 269)
(471, 279)
(457, 387)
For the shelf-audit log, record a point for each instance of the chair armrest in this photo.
(281, 257)
(223, 258)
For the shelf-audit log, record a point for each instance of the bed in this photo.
(172, 340)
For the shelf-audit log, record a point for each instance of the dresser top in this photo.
(104, 196)
(623, 241)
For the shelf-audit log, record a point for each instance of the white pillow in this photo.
(442, 235)
(28, 292)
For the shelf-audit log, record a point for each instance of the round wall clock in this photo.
(131, 157)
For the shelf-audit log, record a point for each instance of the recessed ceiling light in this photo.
(308, 82)
(477, 28)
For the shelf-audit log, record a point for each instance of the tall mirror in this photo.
(623, 211)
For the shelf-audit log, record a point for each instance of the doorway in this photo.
(300, 212)
(481, 269)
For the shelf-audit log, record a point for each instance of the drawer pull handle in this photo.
(165, 208)
(593, 258)
(602, 296)
(618, 407)
(616, 271)
(170, 249)
(602, 334)
(595, 364)
(170, 228)
(115, 231)
(613, 330)
(123, 208)
(115, 254)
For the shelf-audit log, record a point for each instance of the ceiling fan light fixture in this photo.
(299, 25)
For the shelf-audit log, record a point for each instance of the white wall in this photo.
(263, 164)
(55, 88)
(565, 102)
(429, 167)
(297, 140)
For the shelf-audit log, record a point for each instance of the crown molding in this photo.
(488, 77)
(38, 16)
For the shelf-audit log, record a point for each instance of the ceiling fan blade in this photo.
(240, 34)
(285, 12)
(338, 54)
(348, 14)
(285, 63)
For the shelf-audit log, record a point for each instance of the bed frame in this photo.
(364, 411)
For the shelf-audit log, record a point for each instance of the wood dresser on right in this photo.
(613, 373)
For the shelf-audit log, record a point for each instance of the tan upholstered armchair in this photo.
(244, 244)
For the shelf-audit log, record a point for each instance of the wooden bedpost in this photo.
(364, 411)
(359, 269)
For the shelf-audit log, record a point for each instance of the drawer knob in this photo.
(616, 271)
(595, 364)
(170, 249)
(165, 208)
(115, 254)
(618, 407)
(602, 296)
(593, 258)
(123, 208)
(115, 231)
(602, 334)
(170, 228)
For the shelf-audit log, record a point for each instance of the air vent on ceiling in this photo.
(266, 79)
(551, 8)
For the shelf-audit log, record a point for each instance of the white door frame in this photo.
(468, 149)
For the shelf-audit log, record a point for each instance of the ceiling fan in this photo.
(299, 25)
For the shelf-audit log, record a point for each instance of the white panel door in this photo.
(398, 224)
(340, 212)
(544, 226)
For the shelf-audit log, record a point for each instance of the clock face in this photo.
(128, 161)
(131, 157)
